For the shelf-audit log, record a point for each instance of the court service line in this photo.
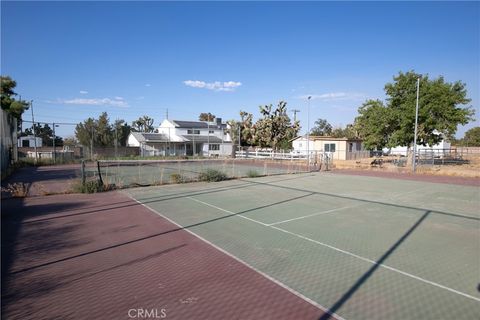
(277, 282)
(312, 215)
(347, 253)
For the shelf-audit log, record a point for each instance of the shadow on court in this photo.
(100, 266)
(364, 278)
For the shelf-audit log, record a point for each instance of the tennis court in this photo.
(359, 247)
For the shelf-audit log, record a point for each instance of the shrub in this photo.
(17, 190)
(252, 174)
(92, 186)
(212, 175)
(177, 178)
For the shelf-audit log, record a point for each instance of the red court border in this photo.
(100, 256)
(466, 181)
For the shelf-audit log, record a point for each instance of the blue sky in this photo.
(78, 59)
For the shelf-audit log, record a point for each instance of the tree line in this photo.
(442, 107)
(389, 123)
(101, 133)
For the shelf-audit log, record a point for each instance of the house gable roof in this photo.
(326, 138)
(202, 139)
(196, 125)
(150, 137)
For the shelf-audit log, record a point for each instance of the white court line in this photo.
(226, 211)
(347, 253)
(281, 284)
(312, 215)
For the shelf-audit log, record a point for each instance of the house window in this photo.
(25, 143)
(211, 131)
(213, 147)
(329, 147)
(191, 131)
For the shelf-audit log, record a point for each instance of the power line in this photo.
(62, 123)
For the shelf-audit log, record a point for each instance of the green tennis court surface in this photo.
(362, 247)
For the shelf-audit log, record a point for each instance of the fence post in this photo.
(99, 173)
(83, 173)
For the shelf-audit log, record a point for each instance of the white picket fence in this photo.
(295, 155)
(284, 155)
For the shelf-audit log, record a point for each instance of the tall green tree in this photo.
(472, 137)
(374, 124)
(347, 132)
(101, 133)
(104, 131)
(44, 132)
(9, 103)
(321, 128)
(121, 130)
(442, 107)
(85, 133)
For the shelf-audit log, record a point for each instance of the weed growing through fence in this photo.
(17, 189)
(212, 175)
(93, 186)
(177, 178)
(252, 174)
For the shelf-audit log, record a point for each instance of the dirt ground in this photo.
(44, 180)
(470, 169)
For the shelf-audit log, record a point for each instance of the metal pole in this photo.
(308, 134)
(295, 114)
(208, 137)
(414, 160)
(54, 153)
(34, 134)
(193, 141)
(91, 146)
(239, 137)
(169, 146)
(116, 139)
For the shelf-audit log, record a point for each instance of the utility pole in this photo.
(34, 132)
(308, 133)
(208, 137)
(166, 115)
(91, 145)
(194, 149)
(239, 137)
(295, 114)
(414, 160)
(116, 139)
(54, 153)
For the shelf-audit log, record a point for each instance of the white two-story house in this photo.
(184, 138)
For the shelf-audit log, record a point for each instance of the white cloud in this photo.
(148, 85)
(334, 96)
(115, 102)
(215, 86)
(83, 92)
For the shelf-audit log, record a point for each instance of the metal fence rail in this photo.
(444, 156)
